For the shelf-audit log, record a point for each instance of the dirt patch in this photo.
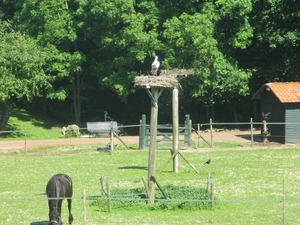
(236, 136)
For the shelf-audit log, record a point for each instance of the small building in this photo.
(280, 101)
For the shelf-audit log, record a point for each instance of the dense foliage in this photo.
(89, 52)
(178, 197)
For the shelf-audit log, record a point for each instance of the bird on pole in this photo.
(155, 66)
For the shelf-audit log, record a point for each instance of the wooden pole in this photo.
(251, 130)
(145, 185)
(175, 129)
(283, 203)
(198, 135)
(112, 137)
(211, 133)
(108, 197)
(102, 185)
(208, 181)
(84, 207)
(191, 165)
(142, 141)
(212, 196)
(154, 95)
(160, 187)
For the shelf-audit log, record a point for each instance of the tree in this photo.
(22, 75)
(192, 41)
(275, 50)
(54, 25)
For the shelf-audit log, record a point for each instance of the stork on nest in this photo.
(155, 66)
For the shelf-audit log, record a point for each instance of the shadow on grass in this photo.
(39, 223)
(133, 167)
(256, 137)
(35, 119)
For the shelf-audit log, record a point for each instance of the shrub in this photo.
(178, 197)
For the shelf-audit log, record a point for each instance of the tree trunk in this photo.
(207, 113)
(76, 96)
(212, 112)
(6, 113)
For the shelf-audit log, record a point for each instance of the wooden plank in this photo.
(159, 187)
(188, 163)
(145, 185)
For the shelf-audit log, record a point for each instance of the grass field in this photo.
(248, 185)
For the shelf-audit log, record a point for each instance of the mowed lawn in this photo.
(248, 185)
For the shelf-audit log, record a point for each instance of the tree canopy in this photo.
(88, 52)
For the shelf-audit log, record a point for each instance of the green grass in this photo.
(23, 124)
(248, 185)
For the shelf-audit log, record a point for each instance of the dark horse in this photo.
(59, 187)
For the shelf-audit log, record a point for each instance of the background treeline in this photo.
(73, 60)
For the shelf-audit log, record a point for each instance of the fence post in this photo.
(84, 207)
(142, 140)
(112, 137)
(208, 181)
(283, 202)
(108, 197)
(187, 130)
(25, 143)
(198, 134)
(212, 196)
(102, 185)
(211, 132)
(251, 131)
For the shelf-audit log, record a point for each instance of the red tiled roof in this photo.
(286, 92)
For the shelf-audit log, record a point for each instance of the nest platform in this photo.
(167, 81)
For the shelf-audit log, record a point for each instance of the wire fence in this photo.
(210, 133)
(283, 203)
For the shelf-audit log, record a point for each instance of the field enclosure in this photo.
(252, 186)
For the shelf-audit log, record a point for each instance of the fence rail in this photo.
(285, 202)
(252, 129)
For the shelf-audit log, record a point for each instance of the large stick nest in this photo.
(156, 81)
(176, 72)
(166, 78)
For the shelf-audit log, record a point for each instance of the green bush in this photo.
(178, 197)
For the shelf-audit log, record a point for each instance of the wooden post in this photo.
(111, 137)
(283, 203)
(108, 197)
(208, 181)
(145, 185)
(251, 130)
(154, 95)
(211, 133)
(212, 196)
(84, 207)
(175, 129)
(142, 141)
(198, 135)
(160, 187)
(102, 185)
(188, 163)
(25, 143)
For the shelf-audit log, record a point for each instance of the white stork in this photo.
(154, 67)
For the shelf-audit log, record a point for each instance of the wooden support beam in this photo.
(159, 187)
(152, 148)
(175, 129)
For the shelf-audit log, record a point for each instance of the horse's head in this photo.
(54, 217)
